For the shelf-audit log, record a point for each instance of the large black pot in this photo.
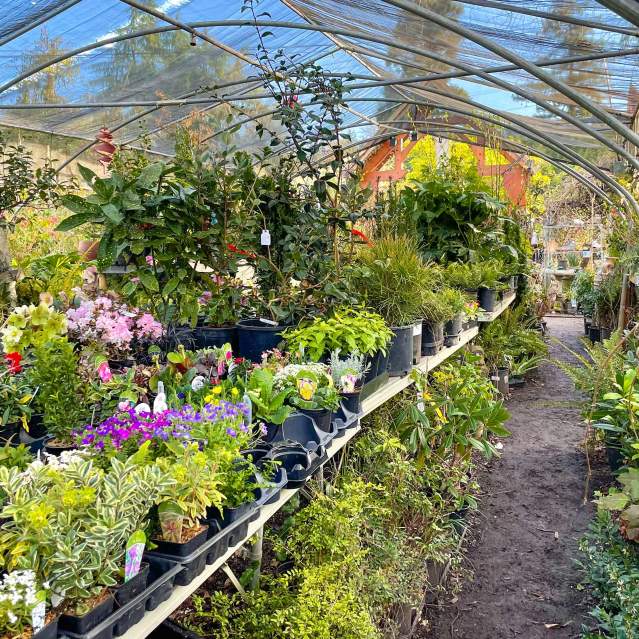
(400, 357)
(487, 298)
(254, 337)
(432, 337)
(9, 433)
(453, 329)
(605, 333)
(594, 333)
(214, 337)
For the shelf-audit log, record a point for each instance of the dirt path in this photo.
(530, 519)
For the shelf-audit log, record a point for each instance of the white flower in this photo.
(198, 383)
(499, 446)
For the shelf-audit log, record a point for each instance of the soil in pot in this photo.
(56, 447)
(255, 336)
(101, 608)
(487, 298)
(321, 417)
(192, 539)
(432, 337)
(400, 357)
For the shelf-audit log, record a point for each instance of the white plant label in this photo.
(417, 329)
(268, 321)
(265, 238)
(38, 614)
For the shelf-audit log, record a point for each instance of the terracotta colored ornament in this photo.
(105, 149)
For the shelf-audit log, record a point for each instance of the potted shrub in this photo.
(489, 284)
(61, 392)
(314, 393)
(113, 328)
(392, 280)
(183, 503)
(76, 520)
(220, 308)
(471, 312)
(347, 330)
(16, 395)
(23, 608)
(348, 376)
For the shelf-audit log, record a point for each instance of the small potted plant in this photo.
(220, 307)
(348, 375)
(435, 312)
(23, 612)
(490, 284)
(313, 393)
(471, 313)
(15, 398)
(269, 402)
(455, 302)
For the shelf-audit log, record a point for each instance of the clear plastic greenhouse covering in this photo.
(88, 64)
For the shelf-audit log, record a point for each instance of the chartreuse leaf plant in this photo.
(29, 326)
(69, 522)
(348, 330)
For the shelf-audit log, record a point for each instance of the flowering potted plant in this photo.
(314, 392)
(113, 327)
(348, 375)
(15, 397)
(29, 326)
(23, 608)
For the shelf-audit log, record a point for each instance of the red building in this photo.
(386, 163)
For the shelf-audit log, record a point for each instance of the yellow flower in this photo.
(235, 392)
(217, 390)
(306, 389)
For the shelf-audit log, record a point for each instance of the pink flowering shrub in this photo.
(112, 325)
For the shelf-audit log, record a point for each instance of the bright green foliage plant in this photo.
(59, 390)
(347, 330)
(269, 401)
(584, 292)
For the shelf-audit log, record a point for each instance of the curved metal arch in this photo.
(627, 9)
(541, 74)
(380, 40)
(513, 8)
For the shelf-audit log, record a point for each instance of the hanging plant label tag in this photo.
(268, 321)
(265, 238)
(134, 551)
(421, 406)
(417, 329)
(38, 615)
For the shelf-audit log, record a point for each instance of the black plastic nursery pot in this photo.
(400, 356)
(453, 329)
(615, 457)
(594, 333)
(487, 298)
(321, 417)
(179, 550)
(432, 337)
(352, 402)
(82, 624)
(417, 342)
(605, 333)
(56, 450)
(50, 631)
(231, 515)
(170, 630)
(130, 589)
(255, 336)
(33, 444)
(214, 337)
(372, 362)
(9, 433)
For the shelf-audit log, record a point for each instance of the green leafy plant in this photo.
(347, 330)
(626, 502)
(269, 401)
(59, 391)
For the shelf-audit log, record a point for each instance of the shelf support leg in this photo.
(255, 556)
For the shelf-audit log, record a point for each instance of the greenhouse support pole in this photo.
(621, 320)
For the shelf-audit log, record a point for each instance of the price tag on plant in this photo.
(134, 552)
(268, 321)
(417, 329)
(265, 238)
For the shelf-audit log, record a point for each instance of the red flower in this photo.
(360, 235)
(239, 251)
(13, 360)
(238, 360)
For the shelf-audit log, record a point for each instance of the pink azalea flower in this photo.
(149, 260)
(105, 372)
